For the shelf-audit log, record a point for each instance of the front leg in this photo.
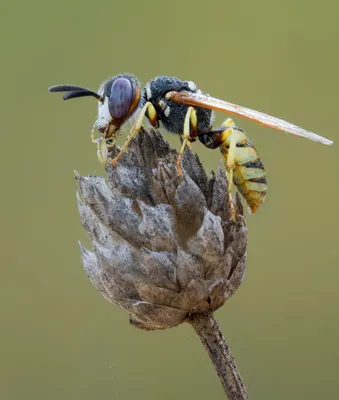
(102, 146)
(152, 116)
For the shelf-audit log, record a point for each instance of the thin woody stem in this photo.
(212, 338)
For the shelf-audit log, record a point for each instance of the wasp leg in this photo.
(226, 139)
(152, 116)
(229, 139)
(100, 151)
(102, 147)
(229, 143)
(190, 134)
(230, 165)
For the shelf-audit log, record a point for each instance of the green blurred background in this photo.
(59, 338)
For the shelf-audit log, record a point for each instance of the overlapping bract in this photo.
(163, 245)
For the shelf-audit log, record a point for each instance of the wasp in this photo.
(181, 108)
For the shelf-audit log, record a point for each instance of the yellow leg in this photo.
(229, 139)
(152, 114)
(102, 150)
(229, 123)
(190, 122)
(230, 164)
(102, 145)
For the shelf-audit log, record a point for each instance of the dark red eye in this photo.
(120, 99)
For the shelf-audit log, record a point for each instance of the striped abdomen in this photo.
(248, 174)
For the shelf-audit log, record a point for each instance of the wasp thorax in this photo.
(120, 98)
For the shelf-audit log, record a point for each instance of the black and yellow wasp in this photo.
(183, 109)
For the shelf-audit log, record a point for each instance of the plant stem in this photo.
(212, 338)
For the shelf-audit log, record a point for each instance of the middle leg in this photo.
(190, 134)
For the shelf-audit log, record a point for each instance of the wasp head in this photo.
(118, 98)
(121, 97)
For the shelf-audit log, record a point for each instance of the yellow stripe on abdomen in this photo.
(250, 177)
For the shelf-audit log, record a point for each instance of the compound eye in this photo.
(120, 99)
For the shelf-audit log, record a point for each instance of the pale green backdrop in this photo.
(59, 339)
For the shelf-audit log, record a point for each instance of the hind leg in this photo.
(229, 142)
(226, 139)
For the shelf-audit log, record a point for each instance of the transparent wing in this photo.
(204, 101)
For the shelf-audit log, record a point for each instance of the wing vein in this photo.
(201, 100)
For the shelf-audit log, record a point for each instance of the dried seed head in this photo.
(164, 246)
